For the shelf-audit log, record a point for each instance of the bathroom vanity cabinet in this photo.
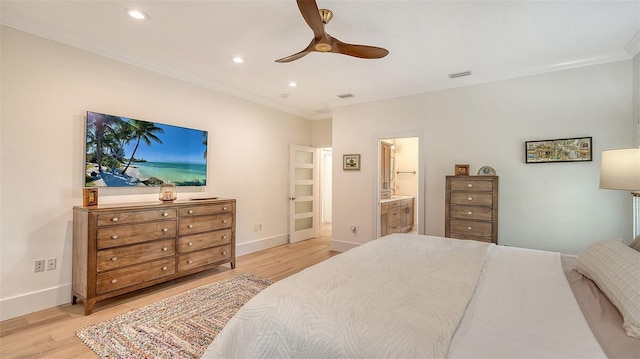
(396, 215)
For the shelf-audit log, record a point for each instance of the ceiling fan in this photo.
(323, 42)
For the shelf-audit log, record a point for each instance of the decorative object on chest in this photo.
(471, 208)
(121, 248)
(168, 192)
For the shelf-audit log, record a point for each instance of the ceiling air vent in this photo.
(460, 74)
(346, 95)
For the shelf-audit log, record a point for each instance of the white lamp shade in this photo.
(620, 169)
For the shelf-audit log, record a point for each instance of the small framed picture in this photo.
(89, 197)
(351, 162)
(462, 170)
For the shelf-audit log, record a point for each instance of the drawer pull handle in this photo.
(224, 237)
(190, 244)
(114, 219)
(165, 229)
(190, 226)
(469, 213)
(165, 214)
(470, 185)
(114, 259)
(224, 208)
(469, 228)
(224, 221)
(190, 211)
(189, 261)
(223, 253)
(114, 281)
(115, 236)
(470, 198)
(165, 248)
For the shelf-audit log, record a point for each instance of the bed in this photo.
(415, 296)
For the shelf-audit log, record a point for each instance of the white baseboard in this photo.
(34, 301)
(260, 244)
(51, 297)
(342, 246)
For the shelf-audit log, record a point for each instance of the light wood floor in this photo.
(51, 333)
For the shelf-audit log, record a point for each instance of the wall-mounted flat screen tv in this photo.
(123, 152)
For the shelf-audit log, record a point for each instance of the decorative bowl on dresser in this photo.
(471, 208)
(121, 248)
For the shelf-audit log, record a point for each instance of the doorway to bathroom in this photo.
(400, 204)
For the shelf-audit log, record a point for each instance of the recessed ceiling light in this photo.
(293, 84)
(238, 60)
(137, 14)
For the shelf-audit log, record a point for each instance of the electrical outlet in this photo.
(51, 263)
(38, 266)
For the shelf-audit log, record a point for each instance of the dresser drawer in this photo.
(394, 214)
(204, 210)
(471, 212)
(472, 198)
(124, 277)
(115, 218)
(394, 226)
(203, 240)
(471, 228)
(203, 257)
(137, 253)
(471, 185)
(135, 233)
(204, 224)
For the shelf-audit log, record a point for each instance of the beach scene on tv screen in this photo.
(123, 152)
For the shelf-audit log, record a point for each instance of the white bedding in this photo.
(403, 296)
(524, 308)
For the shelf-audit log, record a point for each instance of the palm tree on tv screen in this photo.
(101, 126)
(143, 131)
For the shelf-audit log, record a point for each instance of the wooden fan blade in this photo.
(298, 55)
(311, 14)
(361, 51)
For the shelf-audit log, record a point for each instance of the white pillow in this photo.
(615, 268)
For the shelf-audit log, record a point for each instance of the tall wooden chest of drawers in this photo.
(471, 209)
(121, 248)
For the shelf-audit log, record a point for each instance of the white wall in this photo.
(553, 206)
(636, 98)
(406, 158)
(46, 89)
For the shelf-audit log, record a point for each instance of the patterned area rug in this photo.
(181, 326)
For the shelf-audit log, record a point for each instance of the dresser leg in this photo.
(88, 306)
(74, 300)
(233, 264)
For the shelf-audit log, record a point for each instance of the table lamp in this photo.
(620, 169)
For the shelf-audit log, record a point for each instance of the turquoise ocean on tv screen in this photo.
(177, 173)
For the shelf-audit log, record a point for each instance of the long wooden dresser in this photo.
(471, 208)
(121, 248)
